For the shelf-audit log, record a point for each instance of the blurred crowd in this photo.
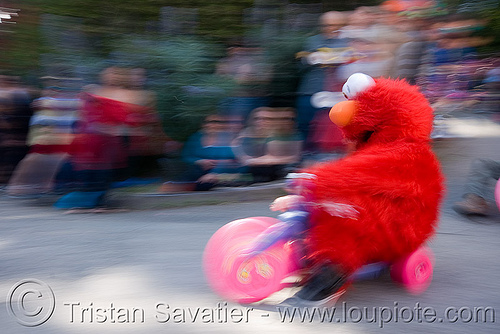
(79, 141)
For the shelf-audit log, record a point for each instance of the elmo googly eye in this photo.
(343, 112)
(355, 84)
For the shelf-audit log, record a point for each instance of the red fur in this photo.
(393, 179)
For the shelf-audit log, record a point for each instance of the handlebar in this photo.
(292, 223)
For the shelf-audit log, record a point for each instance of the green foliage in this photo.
(20, 46)
(281, 50)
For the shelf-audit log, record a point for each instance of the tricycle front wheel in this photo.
(240, 279)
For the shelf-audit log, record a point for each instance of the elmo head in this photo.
(392, 179)
(382, 111)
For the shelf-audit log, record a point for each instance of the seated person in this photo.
(270, 144)
(208, 153)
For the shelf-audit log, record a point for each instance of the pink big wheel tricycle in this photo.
(249, 259)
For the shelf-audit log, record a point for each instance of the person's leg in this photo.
(94, 184)
(261, 173)
(96, 180)
(192, 173)
(278, 172)
(483, 172)
(66, 178)
(482, 175)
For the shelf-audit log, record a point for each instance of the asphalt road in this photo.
(140, 272)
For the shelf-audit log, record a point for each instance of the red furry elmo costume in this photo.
(392, 180)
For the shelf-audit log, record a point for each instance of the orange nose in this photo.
(343, 112)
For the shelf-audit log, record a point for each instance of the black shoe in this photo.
(323, 285)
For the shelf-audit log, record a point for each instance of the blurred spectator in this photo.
(362, 24)
(374, 36)
(270, 145)
(318, 69)
(50, 135)
(391, 29)
(479, 188)
(408, 56)
(251, 72)
(110, 121)
(15, 113)
(209, 155)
